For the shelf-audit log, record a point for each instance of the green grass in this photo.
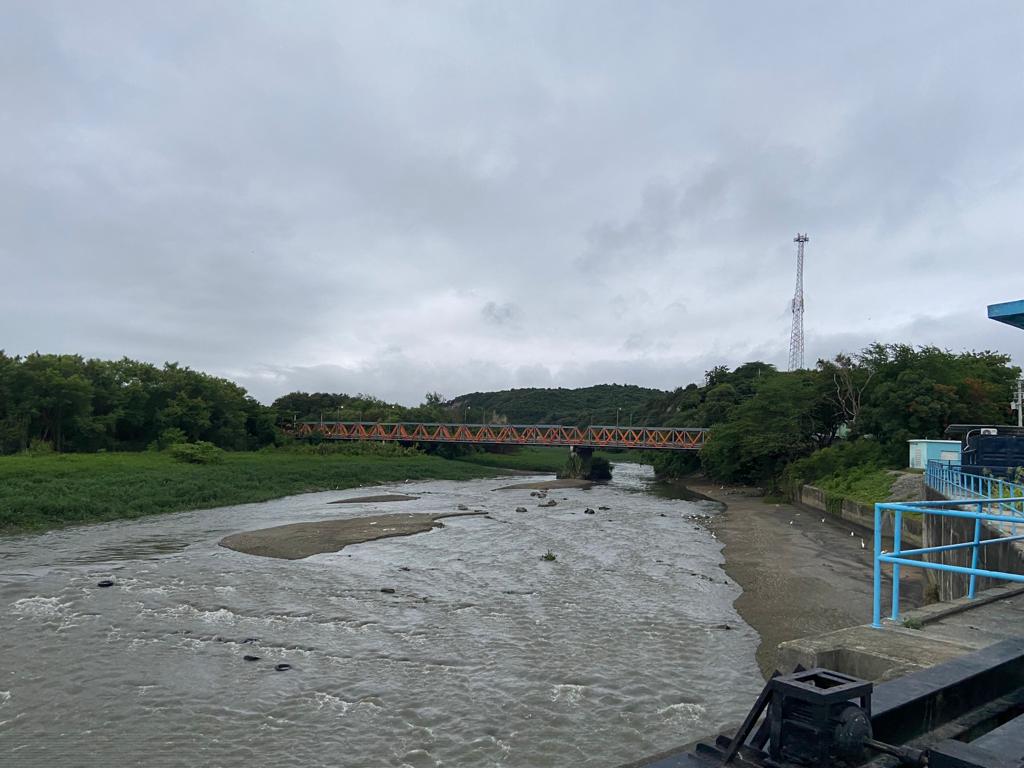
(866, 485)
(49, 491)
(538, 459)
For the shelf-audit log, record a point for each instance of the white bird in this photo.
(790, 522)
(851, 533)
(823, 519)
(862, 545)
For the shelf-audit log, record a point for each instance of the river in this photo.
(485, 654)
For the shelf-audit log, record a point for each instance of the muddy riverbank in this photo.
(802, 573)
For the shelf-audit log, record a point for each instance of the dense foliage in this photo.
(765, 420)
(306, 406)
(850, 412)
(601, 404)
(73, 404)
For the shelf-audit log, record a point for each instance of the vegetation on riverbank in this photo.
(850, 413)
(50, 491)
(840, 424)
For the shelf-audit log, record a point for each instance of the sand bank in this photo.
(548, 485)
(298, 540)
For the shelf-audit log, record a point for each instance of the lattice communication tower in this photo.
(796, 336)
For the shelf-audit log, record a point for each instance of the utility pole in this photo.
(1018, 403)
(796, 336)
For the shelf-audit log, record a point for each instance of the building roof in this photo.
(1009, 312)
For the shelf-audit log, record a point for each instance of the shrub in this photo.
(39, 448)
(201, 452)
(835, 461)
(167, 438)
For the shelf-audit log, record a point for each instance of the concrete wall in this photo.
(948, 530)
(862, 515)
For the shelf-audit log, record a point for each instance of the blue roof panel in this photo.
(1009, 312)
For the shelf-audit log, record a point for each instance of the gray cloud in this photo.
(395, 198)
(500, 314)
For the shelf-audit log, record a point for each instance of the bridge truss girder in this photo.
(646, 438)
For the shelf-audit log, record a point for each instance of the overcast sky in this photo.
(400, 197)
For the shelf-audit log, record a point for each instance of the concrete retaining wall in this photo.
(950, 530)
(862, 515)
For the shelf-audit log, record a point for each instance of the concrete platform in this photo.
(923, 638)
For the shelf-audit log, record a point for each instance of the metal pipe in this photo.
(876, 616)
(953, 568)
(896, 536)
(965, 545)
(974, 556)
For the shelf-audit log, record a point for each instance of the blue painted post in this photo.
(897, 534)
(974, 555)
(876, 616)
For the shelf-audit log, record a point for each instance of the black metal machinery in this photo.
(965, 713)
(815, 717)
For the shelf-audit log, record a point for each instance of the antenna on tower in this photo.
(796, 336)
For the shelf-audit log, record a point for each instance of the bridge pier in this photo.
(580, 464)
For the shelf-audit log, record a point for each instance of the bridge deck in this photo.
(648, 438)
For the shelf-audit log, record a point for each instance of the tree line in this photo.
(604, 404)
(851, 410)
(69, 403)
(859, 408)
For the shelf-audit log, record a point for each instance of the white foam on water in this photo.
(39, 607)
(683, 711)
(335, 703)
(5, 696)
(570, 694)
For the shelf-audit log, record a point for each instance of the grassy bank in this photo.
(41, 492)
(538, 459)
(865, 485)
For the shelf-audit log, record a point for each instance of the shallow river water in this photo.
(484, 655)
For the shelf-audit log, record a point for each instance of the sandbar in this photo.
(549, 485)
(375, 499)
(296, 541)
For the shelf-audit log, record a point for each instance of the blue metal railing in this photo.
(953, 482)
(985, 509)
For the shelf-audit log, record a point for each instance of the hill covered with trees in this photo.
(600, 404)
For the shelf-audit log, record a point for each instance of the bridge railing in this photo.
(653, 438)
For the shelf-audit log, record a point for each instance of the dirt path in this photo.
(802, 573)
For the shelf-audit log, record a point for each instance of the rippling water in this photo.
(485, 655)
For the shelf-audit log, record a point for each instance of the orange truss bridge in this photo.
(647, 438)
